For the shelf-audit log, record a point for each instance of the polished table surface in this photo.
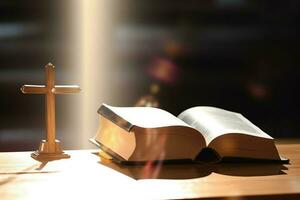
(87, 176)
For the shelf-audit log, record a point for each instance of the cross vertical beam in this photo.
(50, 107)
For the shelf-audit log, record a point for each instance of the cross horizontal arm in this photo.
(66, 89)
(34, 89)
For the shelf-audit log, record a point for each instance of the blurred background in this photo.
(240, 55)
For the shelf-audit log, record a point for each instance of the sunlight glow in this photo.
(92, 22)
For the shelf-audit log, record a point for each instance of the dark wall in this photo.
(237, 55)
(31, 35)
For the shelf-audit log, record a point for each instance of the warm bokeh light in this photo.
(164, 70)
(147, 101)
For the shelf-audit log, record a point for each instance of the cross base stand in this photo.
(49, 151)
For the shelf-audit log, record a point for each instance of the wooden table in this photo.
(87, 176)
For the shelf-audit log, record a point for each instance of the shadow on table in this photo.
(33, 169)
(193, 170)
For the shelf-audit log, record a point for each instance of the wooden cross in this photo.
(50, 148)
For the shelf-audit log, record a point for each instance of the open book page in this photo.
(147, 117)
(212, 122)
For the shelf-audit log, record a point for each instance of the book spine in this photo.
(116, 119)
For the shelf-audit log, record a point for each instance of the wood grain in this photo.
(88, 176)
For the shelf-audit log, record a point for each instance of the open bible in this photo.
(139, 134)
